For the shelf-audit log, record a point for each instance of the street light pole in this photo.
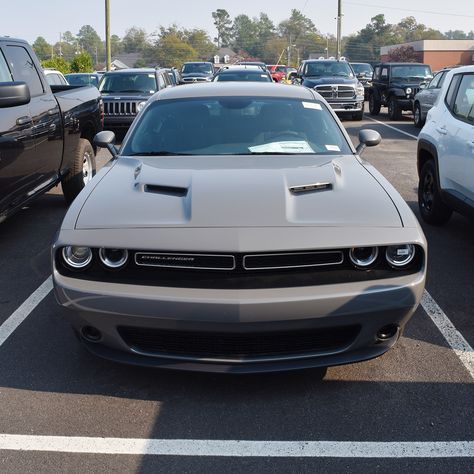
(339, 18)
(107, 35)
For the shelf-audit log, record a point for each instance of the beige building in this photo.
(438, 53)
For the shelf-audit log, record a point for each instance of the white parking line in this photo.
(236, 448)
(454, 338)
(392, 127)
(16, 318)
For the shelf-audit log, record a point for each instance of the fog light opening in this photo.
(91, 334)
(387, 332)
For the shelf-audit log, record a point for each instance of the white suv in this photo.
(446, 151)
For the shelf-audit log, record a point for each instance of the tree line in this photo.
(258, 38)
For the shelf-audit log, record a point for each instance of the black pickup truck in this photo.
(46, 132)
(395, 85)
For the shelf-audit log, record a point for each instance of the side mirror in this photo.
(423, 85)
(106, 139)
(13, 94)
(293, 75)
(367, 138)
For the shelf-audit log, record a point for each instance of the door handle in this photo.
(442, 130)
(24, 120)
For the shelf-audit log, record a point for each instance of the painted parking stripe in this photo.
(453, 337)
(16, 318)
(236, 448)
(392, 127)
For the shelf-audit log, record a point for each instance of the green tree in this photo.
(116, 46)
(89, 40)
(275, 50)
(135, 40)
(201, 42)
(265, 32)
(404, 54)
(223, 24)
(57, 62)
(245, 35)
(82, 62)
(42, 48)
(298, 25)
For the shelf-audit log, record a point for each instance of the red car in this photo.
(278, 71)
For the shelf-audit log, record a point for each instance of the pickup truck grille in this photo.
(194, 79)
(336, 92)
(120, 108)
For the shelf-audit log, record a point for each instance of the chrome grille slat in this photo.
(336, 91)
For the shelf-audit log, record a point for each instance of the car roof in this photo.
(242, 67)
(388, 63)
(135, 70)
(197, 62)
(235, 89)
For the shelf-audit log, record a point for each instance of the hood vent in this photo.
(166, 190)
(310, 188)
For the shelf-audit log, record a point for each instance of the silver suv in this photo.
(446, 150)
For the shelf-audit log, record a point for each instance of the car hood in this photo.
(320, 81)
(125, 96)
(237, 191)
(196, 74)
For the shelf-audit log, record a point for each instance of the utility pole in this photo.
(289, 53)
(60, 46)
(108, 55)
(339, 19)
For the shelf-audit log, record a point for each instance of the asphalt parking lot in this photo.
(409, 410)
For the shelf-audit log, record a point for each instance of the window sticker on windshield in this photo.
(332, 148)
(283, 147)
(312, 105)
(151, 75)
(263, 75)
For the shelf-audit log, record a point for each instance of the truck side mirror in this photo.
(13, 94)
(293, 75)
(367, 138)
(106, 139)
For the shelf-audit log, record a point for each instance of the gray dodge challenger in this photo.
(238, 230)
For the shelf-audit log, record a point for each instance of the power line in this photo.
(409, 9)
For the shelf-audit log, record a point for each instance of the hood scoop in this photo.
(310, 188)
(166, 190)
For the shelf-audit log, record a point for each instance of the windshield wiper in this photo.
(159, 153)
(130, 90)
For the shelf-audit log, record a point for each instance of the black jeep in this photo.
(394, 86)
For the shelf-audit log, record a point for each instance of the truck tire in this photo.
(358, 116)
(432, 209)
(394, 111)
(82, 170)
(374, 104)
(417, 117)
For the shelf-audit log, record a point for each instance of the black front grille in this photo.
(223, 345)
(120, 108)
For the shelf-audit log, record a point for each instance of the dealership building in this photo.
(438, 53)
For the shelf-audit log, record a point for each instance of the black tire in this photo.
(358, 116)
(432, 208)
(374, 104)
(82, 169)
(417, 117)
(394, 111)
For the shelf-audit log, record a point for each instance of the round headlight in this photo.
(363, 257)
(400, 255)
(113, 258)
(408, 90)
(140, 105)
(77, 257)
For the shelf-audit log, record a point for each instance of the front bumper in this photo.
(116, 122)
(352, 106)
(370, 306)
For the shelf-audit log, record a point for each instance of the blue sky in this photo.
(31, 18)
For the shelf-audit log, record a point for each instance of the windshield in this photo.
(143, 83)
(247, 76)
(235, 125)
(362, 69)
(202, 68)
(82, 79)
(328, 69)
(411, 72)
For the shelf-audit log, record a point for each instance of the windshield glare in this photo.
(236, 125)
(197, 68)
(134, 83)
(328, 69)
(411, 71)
